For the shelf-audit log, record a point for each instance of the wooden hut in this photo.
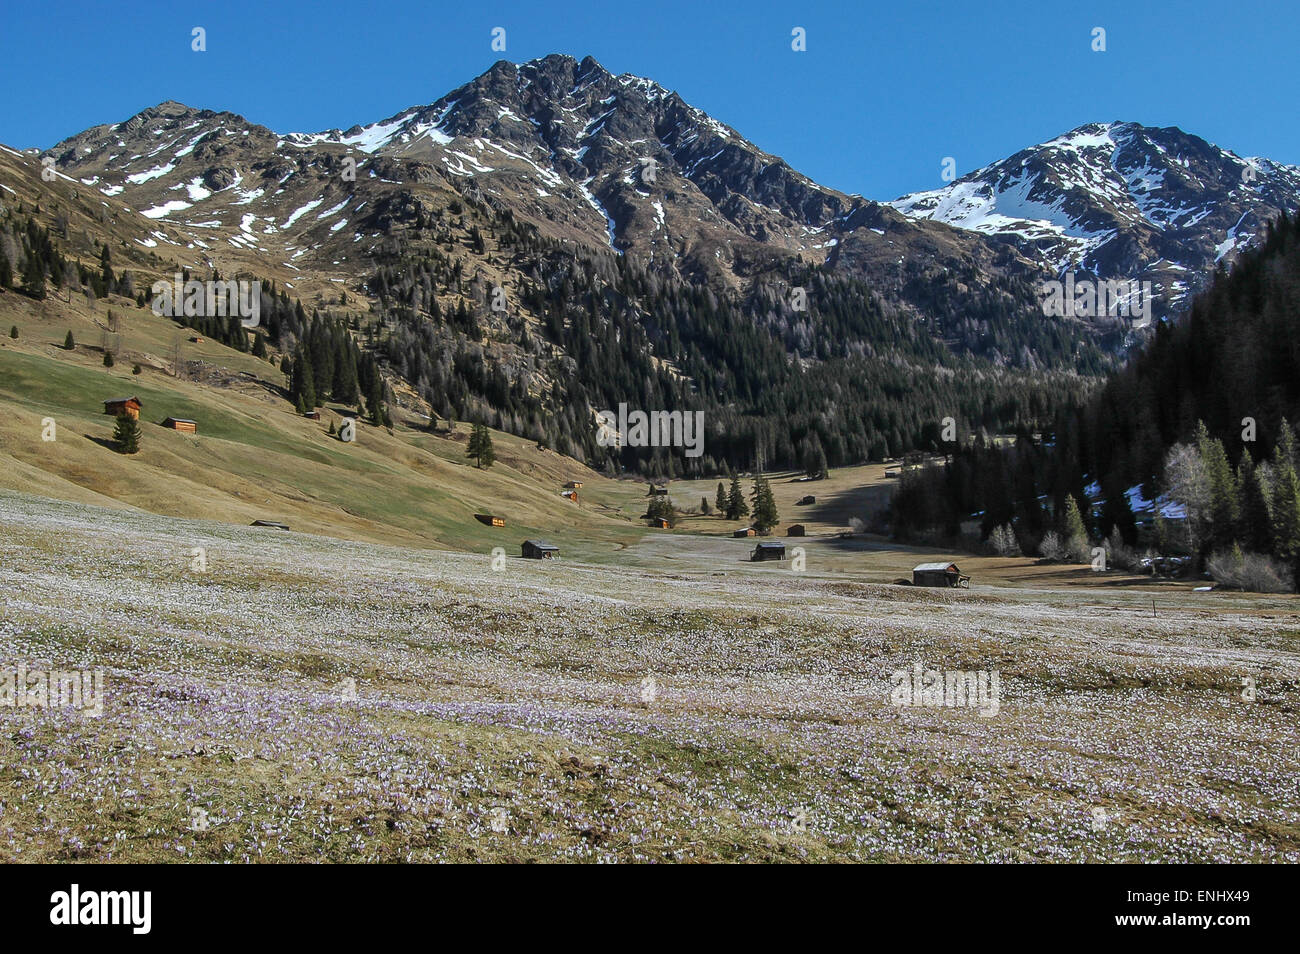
(796, 530)
(938, 574)
(745, 532)
(570, 495)
(659, 522)
(312, 415)
(768, 551)
(574, 485)
(130, 406)
(182, 424)
(489, 520)
(539, 550)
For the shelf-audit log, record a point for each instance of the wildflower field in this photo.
(275, 696)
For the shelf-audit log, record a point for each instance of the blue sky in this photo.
(883, 93)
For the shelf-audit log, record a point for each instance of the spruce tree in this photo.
(765, 515)
(127, 434)
(1253, 529)
(1072, 529)
(720, 502)
(736, 506)
(480, 446)
(303, 387)
(1286, 518)
(34, 278)
(68, 342)
(1223, 490)
(376, 401)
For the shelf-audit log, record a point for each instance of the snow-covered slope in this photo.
(1120, 201)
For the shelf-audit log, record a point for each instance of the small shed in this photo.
(574, 485)
(271, 523)
(130, 406)
(746, 532)
(539, 550)
(657, 491)
(659, 522)
(185, 425)
(571, 495)
(938, 574)
(489, 520)
(768, 551)
(805, 501)
(796, 530)
(196, 339)
(312, 415)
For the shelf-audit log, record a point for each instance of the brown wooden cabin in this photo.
(657, 491)
(574, 485)
(129, 406)
(746, 532)
(184, 425)
(768, 551)
(938, 574)
(270, 523)
(196, 339)
(489, 520)
(312, 415)
(569, 495)
(796, 530)
(539, 550)
(659, 522)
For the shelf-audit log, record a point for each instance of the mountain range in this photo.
(553, 201)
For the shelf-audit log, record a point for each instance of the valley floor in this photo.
(498, 714)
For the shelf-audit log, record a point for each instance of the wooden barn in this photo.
(489, 520)
(768, 551)
(312, 415)
(805, 501)
(539, 550)
(938, 574)
(271, 523)
(129, 406)
(796, 530)
(746, 532)
(659, 522)
(574, 485)
(570, 495)
(182, 424)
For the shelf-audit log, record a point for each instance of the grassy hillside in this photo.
(253, 457)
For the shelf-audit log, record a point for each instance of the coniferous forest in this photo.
(1200, 418)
